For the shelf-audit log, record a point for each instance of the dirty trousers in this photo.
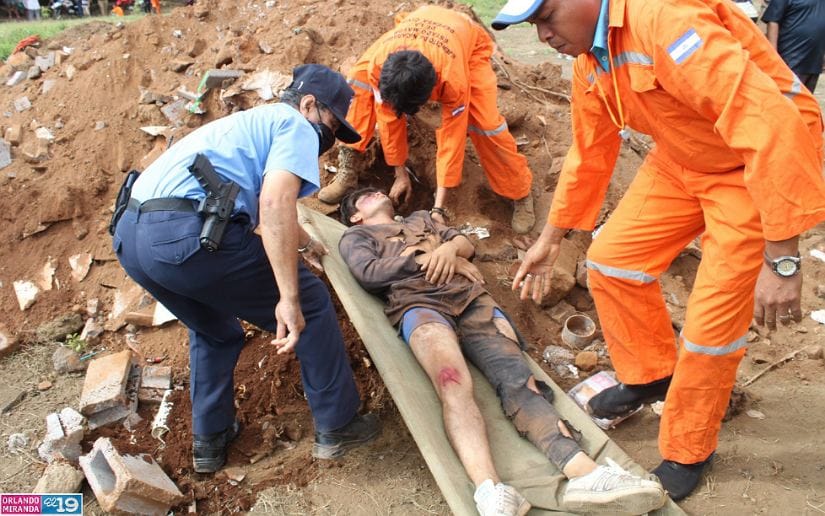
(209, 292)
(501, 361)
(664, 209)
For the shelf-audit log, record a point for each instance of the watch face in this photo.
(786, 267)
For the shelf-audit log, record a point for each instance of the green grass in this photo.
(12, 32)
(486, 9)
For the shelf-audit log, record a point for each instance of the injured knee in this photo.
(448, 376)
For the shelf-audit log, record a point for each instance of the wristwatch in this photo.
(784, 266)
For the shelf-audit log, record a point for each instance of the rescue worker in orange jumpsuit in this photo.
(738, 159)
(442, 56)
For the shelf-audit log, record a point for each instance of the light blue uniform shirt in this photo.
(599, 48)
(242, 147)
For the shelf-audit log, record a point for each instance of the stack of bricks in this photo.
(110, 389)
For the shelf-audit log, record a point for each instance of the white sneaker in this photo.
(611, 489)
(499, 500)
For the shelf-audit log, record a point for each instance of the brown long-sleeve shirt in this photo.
(373, 255)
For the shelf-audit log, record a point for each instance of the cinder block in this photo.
(64, 431)
(216, 77)
(118, 412)
(126, 483)
(105, 383)
(155, 380)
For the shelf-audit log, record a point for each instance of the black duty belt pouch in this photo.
(216, 208)
(122, 199)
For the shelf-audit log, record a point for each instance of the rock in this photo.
(752, 336)
(22, 104)
(758, 357)
(225, 56)
(557, 355)
(19, 61)
(100, 125)
(180, 65)
(564, 273)
(196, 48)
(92, 307)
(581, 274)
(201, 10)
(80, 264)
(91, 332)
(43, 133)
(151, 97)
(48, 84)
(814, 351)
(587, 360)
(45, 62)
(580, 299)
(71, 71)
(561, 312)
(66, 360)
(58, 328)
(820, 291)
(26, 293)
(14, 134)
(8, 342)
(33, 73)
(17, 443)
(45, 385)
(60, 477)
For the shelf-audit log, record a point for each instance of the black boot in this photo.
(335, 443)
(680, 479)
(209, 451)
(622, 399)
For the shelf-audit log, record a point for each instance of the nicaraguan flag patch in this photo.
(685, 46)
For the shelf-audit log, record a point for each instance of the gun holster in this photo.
(122, 199)
(216, 208)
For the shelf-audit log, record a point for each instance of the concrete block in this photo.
(45, 62)
(33, 73)
(5, 154)
(155, 380)
(174, 111)
(105, 383)
(59, 477)
(215, 77)
(120, 412)
(127, 483)
(64, 431)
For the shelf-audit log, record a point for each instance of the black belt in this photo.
(163, 204)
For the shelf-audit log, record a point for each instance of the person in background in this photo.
(796, 29)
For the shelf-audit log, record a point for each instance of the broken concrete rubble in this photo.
(91, 332)
(8, 342)
(14, 134)
(16, 78)
(64, 431)
(104, 398)
(127, 483)
(80, 264)
(66, 360)
(22, 104)
(5, 155)
(155, 381)
(26, 293)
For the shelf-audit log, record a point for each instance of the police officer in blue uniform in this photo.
(209, 280)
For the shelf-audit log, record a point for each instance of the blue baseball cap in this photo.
(515, 11)
(331, 89)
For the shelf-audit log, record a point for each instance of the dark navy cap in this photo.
(332, 90)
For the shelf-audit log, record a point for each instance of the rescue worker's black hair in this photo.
(348, 209)
(407, 81)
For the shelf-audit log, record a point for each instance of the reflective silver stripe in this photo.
(716, 351)
(615, 272)
(591, 78)
(492, 132)
(362, 85)
(796, 88)
(631, 58)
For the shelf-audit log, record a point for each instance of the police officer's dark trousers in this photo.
(209, 292)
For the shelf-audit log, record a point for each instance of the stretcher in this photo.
(518, 462)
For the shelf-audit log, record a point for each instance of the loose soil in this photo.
(61, 206)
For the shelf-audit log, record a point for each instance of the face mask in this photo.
(326, 139)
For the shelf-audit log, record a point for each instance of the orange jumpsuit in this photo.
(738, 159)
(460, 51)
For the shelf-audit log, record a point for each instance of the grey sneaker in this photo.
(611, 489)
(499, 500)
(209, 451)
(335, 443)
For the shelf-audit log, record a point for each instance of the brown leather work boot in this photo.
(345, 180)
(523, 215)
